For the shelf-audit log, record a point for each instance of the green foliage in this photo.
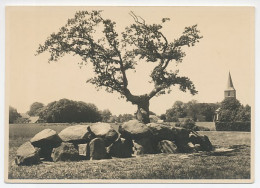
(68, 111)
(192, 109)
(96, 40)
(35, 109)
(105, 115)
(13, 114)
(231, 110)
(233, 126)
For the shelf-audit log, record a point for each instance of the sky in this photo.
(227, 45)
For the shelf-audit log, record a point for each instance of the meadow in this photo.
(203, 165)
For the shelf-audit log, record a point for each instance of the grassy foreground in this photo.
(233, 165)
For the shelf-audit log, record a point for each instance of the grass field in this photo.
(233, 165)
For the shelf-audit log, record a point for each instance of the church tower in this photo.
(230, 91)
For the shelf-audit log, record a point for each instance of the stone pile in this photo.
(102, 141)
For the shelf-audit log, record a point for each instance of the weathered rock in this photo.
(144, 146)
(78, 134)
(104, 131)
(206, 144)
(161, 132)
(134, 130)
(97, 149)
(65, 152)
(27, 154)
(46, 140)
(121, 148)
(84, 151)
(166, 146)
(181, 136)
(202, 140)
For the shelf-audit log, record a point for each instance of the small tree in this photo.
(229, 109)
(112, 55)
(13, 114)
(105, 115)
(35, 109)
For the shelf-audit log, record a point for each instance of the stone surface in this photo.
(84, 151)
(97, 149)
(121, 148)
(77, 134)
(134, 130)
(47, 139)
(104, 131)
(65, 152)
(161, 132)
(181, 136)
(202, 140)
(167, 146)
(27, 154)
(143, 146)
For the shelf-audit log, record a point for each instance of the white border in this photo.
(254, 3)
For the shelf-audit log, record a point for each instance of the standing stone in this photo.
(134, 130)
(104, 131)
(181, 136)
(121, 148)
(65, 152)
(97, 149)
(47, 139)
(27, 154)
(166, 146)
(77, 134)
(143, 146)
(84, 151)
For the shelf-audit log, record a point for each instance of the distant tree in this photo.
(13, 114)
(105, 115)
(68, 111)
(207, 110)
(124, 118)
(229, 109)
(178, 110)
(163, 117)
(112, 54)
(244, 114)
(35, 109)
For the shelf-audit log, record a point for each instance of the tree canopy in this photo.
(13, 114)
(96, 40)
(69, 111)
(35, 109)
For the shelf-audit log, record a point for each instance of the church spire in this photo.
(230, 85)
(230, 90)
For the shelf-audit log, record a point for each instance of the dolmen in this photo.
(101, 141)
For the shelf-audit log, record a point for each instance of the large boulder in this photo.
(104, 131)
(65, 152)
(97, 149)
(202, 140)
(167, 146)
(121, 148)
(47, 139)
(181, 136)
(27, 154)
(134, 130)
(144, 146)
(161, 132)
(78, 134)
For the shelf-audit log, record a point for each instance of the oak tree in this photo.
(113, 54)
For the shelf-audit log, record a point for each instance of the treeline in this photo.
(192, 109)
(67, 111)
(229, 110)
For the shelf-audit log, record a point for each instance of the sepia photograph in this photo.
(110, 94)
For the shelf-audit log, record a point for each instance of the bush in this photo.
(233, 126)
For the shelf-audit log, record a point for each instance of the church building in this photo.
(229, 92)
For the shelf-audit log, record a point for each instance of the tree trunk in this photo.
(143, 111)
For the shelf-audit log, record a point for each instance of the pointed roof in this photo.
(230, 85)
